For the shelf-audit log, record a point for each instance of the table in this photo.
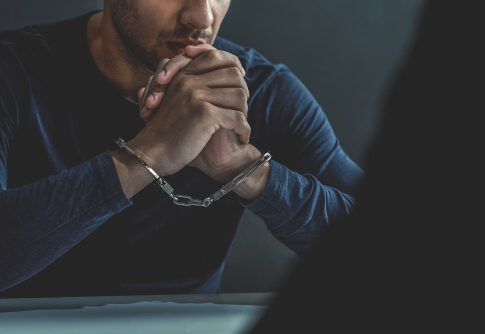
(201, 313)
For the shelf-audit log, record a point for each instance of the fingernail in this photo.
(162, 73)
(151, 97)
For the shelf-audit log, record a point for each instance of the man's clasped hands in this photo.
(197, 115)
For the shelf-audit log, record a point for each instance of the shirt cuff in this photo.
(272, 203)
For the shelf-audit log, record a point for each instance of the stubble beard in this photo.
(132, 46)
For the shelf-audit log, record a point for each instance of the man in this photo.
(80, 219)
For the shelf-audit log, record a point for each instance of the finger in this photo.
(152, 102)
(233, 120)
(146, 91)
(147, 114)
(171, 68)
(234, 98)
(154, 99)
(140, 93)
(151, 85)
(212, 60)
(194, 51)
(143, 109)
(151, 106)
(225, 78)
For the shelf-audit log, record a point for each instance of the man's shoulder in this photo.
(244, 53)
(32, 58)
(258, 68)
(31, 44)
(20, 45)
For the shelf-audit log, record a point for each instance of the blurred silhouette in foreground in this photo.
(410, 255)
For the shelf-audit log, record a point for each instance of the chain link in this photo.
(185, 200)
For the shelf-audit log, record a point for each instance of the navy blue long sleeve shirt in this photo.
(67, 228)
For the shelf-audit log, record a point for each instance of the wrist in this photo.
(132, 175)
(153, 156)
(254, 185)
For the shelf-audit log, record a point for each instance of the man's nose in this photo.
(197, 14)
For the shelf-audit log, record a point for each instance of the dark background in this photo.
(345, 51)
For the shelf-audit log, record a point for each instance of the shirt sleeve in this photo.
(39, 222)
(311, 178)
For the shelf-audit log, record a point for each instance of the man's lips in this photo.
(176, 48)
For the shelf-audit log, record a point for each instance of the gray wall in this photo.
(17, 13)
(345, 51)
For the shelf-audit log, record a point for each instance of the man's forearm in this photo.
(133, 176)
(43, 220)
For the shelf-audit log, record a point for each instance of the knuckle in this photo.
(245, 110)
(205, 111)
(233, 72)
(214, 54)
(235, 60)
(196, 96)
(248, 128)
(247, 94)
(220, 54)
(240, 118)
(183, 83)
(241, 93)
(244, 86)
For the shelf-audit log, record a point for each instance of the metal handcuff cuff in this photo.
(185, 200)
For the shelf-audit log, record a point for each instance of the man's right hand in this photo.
(208, 94)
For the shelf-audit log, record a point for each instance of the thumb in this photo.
(193, 51)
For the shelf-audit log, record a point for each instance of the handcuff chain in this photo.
(185, 200)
